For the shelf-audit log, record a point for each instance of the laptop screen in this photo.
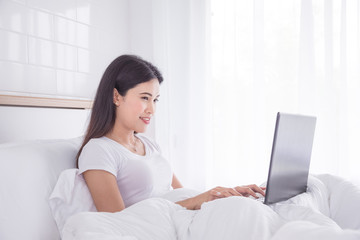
(290, 157)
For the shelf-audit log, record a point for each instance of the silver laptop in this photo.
(290, 157)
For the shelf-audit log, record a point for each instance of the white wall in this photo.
(56, 49)
(59, 47)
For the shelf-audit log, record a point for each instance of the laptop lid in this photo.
(290, 157)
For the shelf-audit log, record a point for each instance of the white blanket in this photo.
(329, 210)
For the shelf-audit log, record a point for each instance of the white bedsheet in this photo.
(329, 210)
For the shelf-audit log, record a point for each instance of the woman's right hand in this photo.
(212, 194)
(195, 203)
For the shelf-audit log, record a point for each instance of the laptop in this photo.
(290, 157)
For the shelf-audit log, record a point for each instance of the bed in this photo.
(30, 170)
(43, 198)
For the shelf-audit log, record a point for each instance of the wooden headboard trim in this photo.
(26, 101)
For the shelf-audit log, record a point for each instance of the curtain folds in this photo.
(304, 59)
(183, 122)
(231, 65)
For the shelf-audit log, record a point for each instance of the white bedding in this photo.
(329, 210)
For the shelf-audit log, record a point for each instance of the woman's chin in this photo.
(140, 130)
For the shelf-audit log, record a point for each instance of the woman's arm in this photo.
(104, 190)
(176, 183)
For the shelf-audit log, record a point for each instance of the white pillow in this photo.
(70, 196)
(344, 199)
(28, 173)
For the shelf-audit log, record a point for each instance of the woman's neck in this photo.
(127, 138)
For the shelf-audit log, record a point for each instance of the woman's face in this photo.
(136, 108)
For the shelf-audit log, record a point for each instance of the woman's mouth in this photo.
(145, 120)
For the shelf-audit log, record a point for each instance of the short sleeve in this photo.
(95, 156)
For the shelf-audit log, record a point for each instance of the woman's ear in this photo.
(116, 97)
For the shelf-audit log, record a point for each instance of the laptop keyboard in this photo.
(260, 198)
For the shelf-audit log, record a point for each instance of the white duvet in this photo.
(329, 210)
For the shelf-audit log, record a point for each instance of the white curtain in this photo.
(231, 65)
(183, 119)
(297, 56)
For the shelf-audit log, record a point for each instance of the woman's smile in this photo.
(145, 120)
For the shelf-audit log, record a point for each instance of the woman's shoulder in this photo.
(99, 153)
(101, 148)
(96, 142)
(98, 145)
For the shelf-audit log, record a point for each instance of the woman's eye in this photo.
(147, 98)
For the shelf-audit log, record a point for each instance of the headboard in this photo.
(11, 100)
(29, 117)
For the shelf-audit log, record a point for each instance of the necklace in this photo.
(134, 145)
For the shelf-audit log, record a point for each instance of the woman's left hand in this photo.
(246, 191)
(194, 203)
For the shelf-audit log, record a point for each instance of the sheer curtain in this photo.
(296, 56)
(231, 65)
(180, 37)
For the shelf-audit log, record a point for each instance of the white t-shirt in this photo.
(138, 177)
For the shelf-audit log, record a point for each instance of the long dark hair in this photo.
(124, 73)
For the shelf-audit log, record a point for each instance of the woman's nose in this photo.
(151, 108)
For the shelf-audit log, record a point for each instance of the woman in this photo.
(119, 166)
